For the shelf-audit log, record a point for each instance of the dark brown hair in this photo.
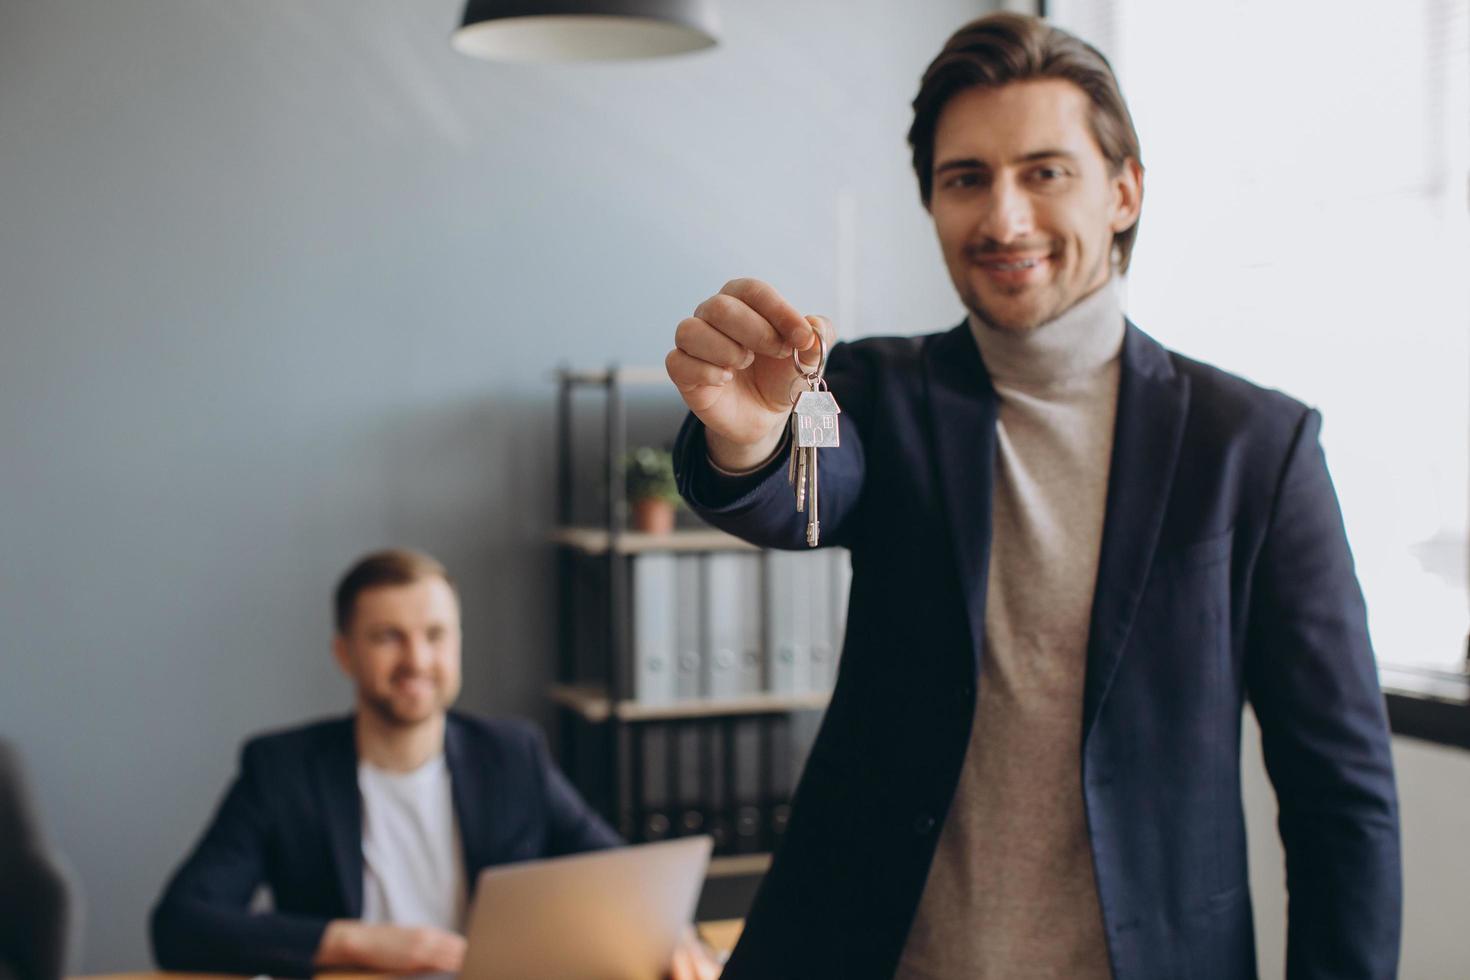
(393, 566)
(999, 49)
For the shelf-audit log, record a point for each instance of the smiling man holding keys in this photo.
(1076, 556)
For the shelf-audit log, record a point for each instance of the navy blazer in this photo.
(1224, 574)
(293, 821)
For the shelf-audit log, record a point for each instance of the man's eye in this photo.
(1049, 174)
(963, 180)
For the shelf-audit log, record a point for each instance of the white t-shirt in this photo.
(412, 857)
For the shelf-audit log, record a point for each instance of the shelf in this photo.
(613, 747)
(738, 864)
(1452, 687)
(1431, 705)
(596, 541)
(593, 705)
(634, 376)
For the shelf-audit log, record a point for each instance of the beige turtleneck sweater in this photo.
(1011, 891)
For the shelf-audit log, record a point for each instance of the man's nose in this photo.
(1008, 215)
(418, 652)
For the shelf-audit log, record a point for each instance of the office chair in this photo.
(35, 900)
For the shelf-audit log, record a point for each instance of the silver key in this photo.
(814, 421)
(813, 426)
(813, 525)
(801, 477)
(795, 451)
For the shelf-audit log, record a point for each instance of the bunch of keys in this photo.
(813, 426)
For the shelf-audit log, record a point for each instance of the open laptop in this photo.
(603, 915)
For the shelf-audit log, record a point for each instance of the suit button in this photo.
(923, 823)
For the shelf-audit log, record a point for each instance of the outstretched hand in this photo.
(732, 363)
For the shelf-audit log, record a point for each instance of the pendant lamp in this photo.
(583, 30)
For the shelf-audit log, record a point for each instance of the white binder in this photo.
(788, 623)
(818, 594)
(654, 633)
(732, 663)
(841, 560)
(689, 632)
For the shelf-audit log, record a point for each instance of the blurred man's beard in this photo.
(389, 713)
(1048, 301)
(978, 309)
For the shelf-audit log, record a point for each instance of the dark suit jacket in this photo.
(1224, 573)
(293, 821)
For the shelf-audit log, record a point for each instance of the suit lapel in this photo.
(342, 808)
(962, 410)
(1153, 401)
(470, 789)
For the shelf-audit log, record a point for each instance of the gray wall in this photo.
(1434, 799)
(281, 282)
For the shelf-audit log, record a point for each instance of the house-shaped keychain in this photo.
(815, 420)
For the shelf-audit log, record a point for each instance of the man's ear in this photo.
(340, 654)
(1127, 195)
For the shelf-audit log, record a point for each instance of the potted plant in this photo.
(651, 489)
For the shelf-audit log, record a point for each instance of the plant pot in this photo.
(653, 515)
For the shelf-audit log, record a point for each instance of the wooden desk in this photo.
(720, 933)
(170, 975)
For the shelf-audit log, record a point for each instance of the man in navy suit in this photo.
(1076, 555)
(370, 830)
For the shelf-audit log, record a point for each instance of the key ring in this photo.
(815, 375)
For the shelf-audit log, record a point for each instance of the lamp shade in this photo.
(584, 30)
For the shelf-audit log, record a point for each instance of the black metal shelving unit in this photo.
(603, 730)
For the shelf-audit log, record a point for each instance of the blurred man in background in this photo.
(369, 830)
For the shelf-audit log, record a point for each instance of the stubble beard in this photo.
(989, 318)
(1052, 303)
(1043, 303)
(385, 711)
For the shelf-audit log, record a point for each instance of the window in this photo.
(1306, 224)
